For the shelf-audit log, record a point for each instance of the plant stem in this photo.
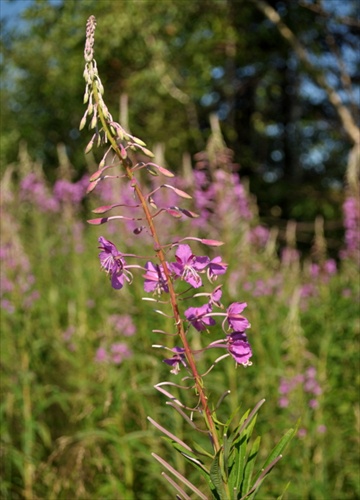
(173, 297)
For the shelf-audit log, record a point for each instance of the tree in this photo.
(180, 61)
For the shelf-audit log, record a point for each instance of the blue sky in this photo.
(11, 9)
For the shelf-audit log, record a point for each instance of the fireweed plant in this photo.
(228, 469)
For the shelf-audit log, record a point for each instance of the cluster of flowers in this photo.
(308, 383)
(34, 190)
(111, 349)
(17, 283)
(351, 209)
(189, 268)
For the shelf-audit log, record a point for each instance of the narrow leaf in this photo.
(216, 476)
(171, 436)
(261, 478)
(279, 447)
(250, 463)
(179, 476)
(176, 486)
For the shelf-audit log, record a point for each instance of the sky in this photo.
(11, 9)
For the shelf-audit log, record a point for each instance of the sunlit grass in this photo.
(73, 426)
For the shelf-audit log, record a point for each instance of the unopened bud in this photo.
(93, 121)
(139, 141)
(89, 147)
(83, 122)
(152, 170)
(120, 133)
(147, 152)
(123, 152)
(100, 87)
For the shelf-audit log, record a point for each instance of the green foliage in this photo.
(178, 62)
(74, 427)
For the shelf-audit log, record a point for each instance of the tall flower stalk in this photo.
(227, 467)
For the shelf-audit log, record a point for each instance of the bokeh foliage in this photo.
(179, 61)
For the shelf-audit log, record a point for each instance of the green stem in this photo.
(28, 433)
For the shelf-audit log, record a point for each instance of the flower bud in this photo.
(83, 122)
(139, 141)
(147, 152)
(89, 147)
(93, 121)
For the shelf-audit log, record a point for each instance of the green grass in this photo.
(74, 428)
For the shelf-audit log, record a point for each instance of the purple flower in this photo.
(330, 267)
(313, 403)
(113, 263)
(197, 317)
(179, 357)
(101, 355)
(215, 268)
(239, 348)
(155, 280)
(236, 321)
(120, 351)
(215, 297)
(123, 324)
(69, 192)
(283, 402)
(187, 265)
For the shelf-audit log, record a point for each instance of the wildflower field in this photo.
(78, 368)
(128, 370)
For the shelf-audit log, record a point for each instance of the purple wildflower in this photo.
(215, 296)
(351, 211)
(120, 351)
(215, 268)
(155, 280)
(197, 317)
(187, 265)
(123, 324)
(70, 192)
(179, 357)
(101, 355)
(34, 190)
(236, 321)
(113, 263)
(239, 348)
(283, 402)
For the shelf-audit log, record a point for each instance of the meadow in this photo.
(78, 369)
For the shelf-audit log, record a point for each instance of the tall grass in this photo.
(78, 369)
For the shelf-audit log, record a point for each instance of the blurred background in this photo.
(255, 105)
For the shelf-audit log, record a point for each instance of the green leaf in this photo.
(250, 463)
(284, 491)
(216, 476)
(179, 476)
(276, 452)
